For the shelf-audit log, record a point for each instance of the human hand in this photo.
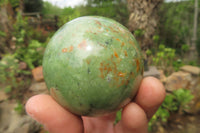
(135, 115)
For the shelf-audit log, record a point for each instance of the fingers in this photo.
(133, 120)
(135, 116)
(55, 118)
(150, 95)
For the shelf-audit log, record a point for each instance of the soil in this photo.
(179, 124)
(184, 124)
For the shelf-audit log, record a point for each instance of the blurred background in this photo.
(167, 31)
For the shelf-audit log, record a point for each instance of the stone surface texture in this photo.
(93, 65)
(38, 73)
(38, 88)
(22, 65)
(191, 69)
(152, 71)
(178, 80)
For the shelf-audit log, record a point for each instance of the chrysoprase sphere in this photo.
(93, 66)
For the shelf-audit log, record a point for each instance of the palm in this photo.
(100, 124)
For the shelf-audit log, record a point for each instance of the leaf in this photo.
(118, 116)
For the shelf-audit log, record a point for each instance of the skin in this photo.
(135, 115)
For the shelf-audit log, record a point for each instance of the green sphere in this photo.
(93, 66)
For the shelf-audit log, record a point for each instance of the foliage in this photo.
(156, 39)
(182, 97)
(64, 15)
(67, 15)
(8, 62)
(10, 73)
(14, 3)
(139, 32)
(29, 51)
(164, 57)
(49, 9)
(1, 2)
(20, 28)
(33, 5)
(32, 55)
(19, 108)
(185, 48)
(25, 49)
(3, 34)
(39, 34)
(118, 116)
(115, 9)
(177, 64)
(176, 23)
(9, 68)
(177, 101)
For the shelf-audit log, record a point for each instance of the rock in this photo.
(178, 80)
(12, 122)
(186, 80)
(38, 88)
(3, 95)
(191, 69)
(162, 78)
(22, 66)
(153, 71)
(38, 74)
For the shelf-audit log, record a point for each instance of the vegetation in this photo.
(33, 6)
(8, 72)
(180, 32)
(176, 26)
(48, 9)
(115, 9)
(19, 108)
(177, 101)
(166, 56)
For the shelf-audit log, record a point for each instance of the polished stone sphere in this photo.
(93, 66)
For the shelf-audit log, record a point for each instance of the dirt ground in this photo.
(179, 124)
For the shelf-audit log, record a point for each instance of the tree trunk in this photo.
(143, 18)
(6, 15)
(21, 6)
